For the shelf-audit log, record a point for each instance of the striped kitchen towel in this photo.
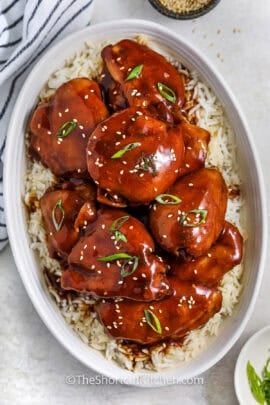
(27, 29)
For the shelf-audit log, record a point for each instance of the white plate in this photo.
(26, 261)
(257, 351)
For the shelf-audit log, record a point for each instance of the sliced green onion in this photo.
(255, 384)
(134, 260)
(58, 206)
(152, 321)
(126, 148)
(116, 256)
(266, 370)
(129, 260)
(115, 227)
(168, 199)
(147, 164)
(202, 213)
(66, 129)
(166, 92)
(135, 73)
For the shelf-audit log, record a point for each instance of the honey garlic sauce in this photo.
(60, 128)
(189, 307)
(196, 219)
(116, 258)
(134, 155)
(152, 69)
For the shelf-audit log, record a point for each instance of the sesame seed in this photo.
(190, 184)
(167, 328)
(122, 68)
(103, 226)
(49, 132)
(135, 278)
(131, 227)
(60, 114)
(109, 327)
(120, 282)
(89, 153)
(164, 236)
(187, 165)
(195, 271)
(143, 275)
(99, 271)
(155, 189)
(118, 133)
(121, 172)
(170, 215)
(39, 125)
(86, 96)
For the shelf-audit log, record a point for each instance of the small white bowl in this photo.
(26, 260)
(257, 351)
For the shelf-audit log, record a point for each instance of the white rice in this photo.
(78, 309)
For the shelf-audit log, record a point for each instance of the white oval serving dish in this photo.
(25, 258)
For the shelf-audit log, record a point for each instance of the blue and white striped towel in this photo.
(27, 29)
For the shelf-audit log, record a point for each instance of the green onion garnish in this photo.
(126, 148)
(116, 256)
(58, 207)
(134, 261)
(129, 260)
(166, 92)
(266, 370)
(66, 129)
(168, 199)
(256, 384)
(201, 213)
(115, 227)
(135, 73)
(147, 164)
(152, 321)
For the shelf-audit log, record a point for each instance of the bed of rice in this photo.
(203, 108)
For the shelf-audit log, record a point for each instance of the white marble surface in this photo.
(33, 365)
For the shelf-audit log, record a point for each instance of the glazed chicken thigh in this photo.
(190, 216)
(189, 307)
(141, 77)
(209, 268)
(61, 209)
(134, 155)
(116, 258)
(61, 127)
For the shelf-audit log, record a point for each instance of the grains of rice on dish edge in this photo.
(77, 309)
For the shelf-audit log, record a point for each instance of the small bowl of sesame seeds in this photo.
(184, 9)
